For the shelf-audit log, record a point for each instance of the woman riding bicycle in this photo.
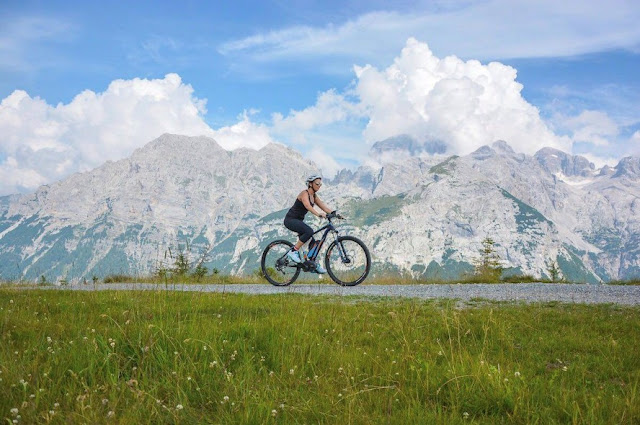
(294, 220)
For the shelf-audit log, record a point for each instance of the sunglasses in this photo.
(317, 184)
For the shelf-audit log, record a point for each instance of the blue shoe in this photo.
(319, 269)
(294, 256)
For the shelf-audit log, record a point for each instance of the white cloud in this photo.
(462, 104)
(14, 178)
(636, 137)
(600, 161)
(594, 127)
(329, 108)
(325, 162)
(41, 143)
(480, 29)
(243, 134)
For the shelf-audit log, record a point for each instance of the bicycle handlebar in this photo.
(334, 214)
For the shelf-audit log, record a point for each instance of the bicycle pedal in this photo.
(309, 265)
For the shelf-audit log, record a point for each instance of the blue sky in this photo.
(81, 82)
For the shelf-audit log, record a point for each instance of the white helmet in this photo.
(313, 177)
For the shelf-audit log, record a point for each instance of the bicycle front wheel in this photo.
(348, 261)
(276, 267)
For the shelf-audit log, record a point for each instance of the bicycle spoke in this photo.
(348, 261)
(276, 267)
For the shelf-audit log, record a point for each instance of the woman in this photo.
(294, 220)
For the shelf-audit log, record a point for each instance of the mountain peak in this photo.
(555, 161)
(628, 167)
(180, 141)
(483, 152)
(502, 146)
(406, 145)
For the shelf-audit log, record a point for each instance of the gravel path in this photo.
(522, 292)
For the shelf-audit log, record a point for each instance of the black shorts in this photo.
(304, 231)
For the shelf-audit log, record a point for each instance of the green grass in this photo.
(633, 281)
(137, 357)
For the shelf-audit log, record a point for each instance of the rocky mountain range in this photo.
(421, 213)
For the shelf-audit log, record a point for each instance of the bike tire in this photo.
(274, 274)
(345, 274)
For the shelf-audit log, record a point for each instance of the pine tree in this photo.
(488, 267)
(554, 270)
(181, 265)
(200, 271)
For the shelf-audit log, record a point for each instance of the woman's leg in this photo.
(304, 231)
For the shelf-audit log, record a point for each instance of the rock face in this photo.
(126, 216)
(420, 214)
(555, 161)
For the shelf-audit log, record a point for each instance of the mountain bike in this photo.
(347, 259)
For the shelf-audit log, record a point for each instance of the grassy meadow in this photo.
(150, 357)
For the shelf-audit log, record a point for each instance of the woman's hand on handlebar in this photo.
(334, 214)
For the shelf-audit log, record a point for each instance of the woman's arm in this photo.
(304, 198)
(322, 205)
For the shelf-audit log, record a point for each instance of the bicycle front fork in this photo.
(341, 251)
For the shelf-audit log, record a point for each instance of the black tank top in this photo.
(298, 210)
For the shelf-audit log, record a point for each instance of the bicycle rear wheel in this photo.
(348, 261)
(276, 267)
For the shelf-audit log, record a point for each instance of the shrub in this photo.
(527, 278)
(116, 278)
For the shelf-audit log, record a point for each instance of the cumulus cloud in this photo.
(243, 134)
(330, 107)
(325, 162)
(461, 104)
(465, 104)
(634, 144)
(41, 143)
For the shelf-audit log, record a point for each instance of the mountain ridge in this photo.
(424, 215)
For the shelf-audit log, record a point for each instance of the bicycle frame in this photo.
(329, 227)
